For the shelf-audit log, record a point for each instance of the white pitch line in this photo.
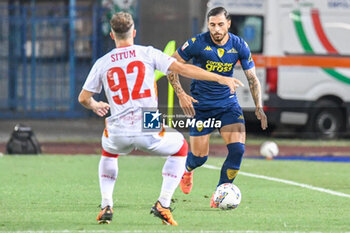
(286, 182)
(139, 231)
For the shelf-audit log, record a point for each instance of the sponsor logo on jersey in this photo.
(232, 51)
(221, 52)
(208, 48)
(240, 117)
(185, 45)
(151, 120)
(193, 39)
(218, 66)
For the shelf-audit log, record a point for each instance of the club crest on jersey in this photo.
(221, 52)
(185, 45)
(200, 126)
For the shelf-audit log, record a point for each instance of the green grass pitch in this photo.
(61, 194)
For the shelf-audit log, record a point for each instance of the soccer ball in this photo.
(269, 149)
(227, 196)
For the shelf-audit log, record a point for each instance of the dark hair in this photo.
(121, 23)
(217, 11)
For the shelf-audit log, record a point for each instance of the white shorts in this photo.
(163, 143)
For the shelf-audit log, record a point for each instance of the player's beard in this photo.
(218, 37)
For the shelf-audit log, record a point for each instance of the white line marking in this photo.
(138, 231)
(286, 182)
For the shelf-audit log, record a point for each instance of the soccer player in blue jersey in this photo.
(216, 51)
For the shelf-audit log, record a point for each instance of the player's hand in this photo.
(232, 83)
(185, 102)
(101, 108)
(259, 112)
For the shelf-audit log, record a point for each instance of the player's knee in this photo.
(110, 155)
(200, 153)
(235, 154)
(200, 160)
(200, 146)
(194, 161)
(183, 150)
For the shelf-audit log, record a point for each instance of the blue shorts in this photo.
(229, 115)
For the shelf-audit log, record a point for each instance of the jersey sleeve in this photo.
(189, 49)
(93, 82)
(161, 60)
(245, 56)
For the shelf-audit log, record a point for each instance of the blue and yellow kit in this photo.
(214, 98)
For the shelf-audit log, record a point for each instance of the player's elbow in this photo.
(176, 67)
(82, 98)
(85, 98)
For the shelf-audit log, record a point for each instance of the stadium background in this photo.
(48, 47)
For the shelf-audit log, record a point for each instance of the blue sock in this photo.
(232, 163)
(193, 161)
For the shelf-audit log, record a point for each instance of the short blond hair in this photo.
(121, 24)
